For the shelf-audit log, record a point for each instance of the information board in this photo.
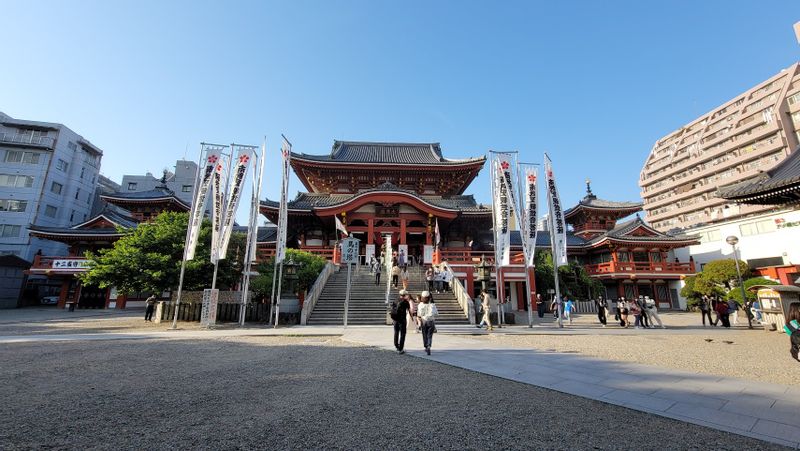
(350, 250)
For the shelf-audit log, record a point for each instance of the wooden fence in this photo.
(226, 312)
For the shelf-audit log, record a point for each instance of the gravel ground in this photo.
(299, 393)
(93, 325)
(754, 355)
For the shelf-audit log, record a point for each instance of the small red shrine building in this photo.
(97, 233)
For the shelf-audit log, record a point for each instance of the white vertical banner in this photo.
(558, 229)
(217, 206)
(280, 251)
(529, 214)
(501, 203)
(239, 167)
(211, 158)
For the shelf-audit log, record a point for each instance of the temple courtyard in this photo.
(106, 379)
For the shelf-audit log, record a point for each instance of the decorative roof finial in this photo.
(164, 178)
(589, 187)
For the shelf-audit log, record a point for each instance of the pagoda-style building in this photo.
(97, 233)
(631, 259)
(382, 189)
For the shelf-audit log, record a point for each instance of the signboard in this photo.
(208, 316)
(370, 251)
(427, 258)
(350, 250)
(71, 264)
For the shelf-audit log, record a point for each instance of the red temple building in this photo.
(403, 190)
(97, 233)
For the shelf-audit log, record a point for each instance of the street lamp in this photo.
(290, 272)
(732, 240)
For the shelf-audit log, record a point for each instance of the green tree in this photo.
(148, 259)
(573, 279)
(688, 289)
(311, 265)
(736, 293)
(723, 272)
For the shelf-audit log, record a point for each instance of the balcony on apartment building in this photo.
(27, 140)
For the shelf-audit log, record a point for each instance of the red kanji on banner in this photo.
(212, 159)
(244, 159)
(532, 178)
(504, 165)
(550, 173)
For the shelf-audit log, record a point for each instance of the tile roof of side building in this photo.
(386, 153)
(783, 175)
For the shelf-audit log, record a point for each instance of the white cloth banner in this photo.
(502, 210)
(198, 207)
(530, 212)
(217, 207)
(558, 230)
(286, 151)
(238, 175)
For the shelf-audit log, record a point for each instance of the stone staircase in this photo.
(367, 305)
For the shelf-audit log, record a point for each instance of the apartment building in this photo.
(735, 142)
(181, 182)
(48, 175)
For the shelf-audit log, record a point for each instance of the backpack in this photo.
(393, 313)
(793, 331)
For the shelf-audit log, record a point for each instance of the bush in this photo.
(736, 293)
(311, 265)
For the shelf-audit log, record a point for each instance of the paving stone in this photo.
(728, 419)
(629, 398)
(778, 430)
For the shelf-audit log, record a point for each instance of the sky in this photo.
(593, 83)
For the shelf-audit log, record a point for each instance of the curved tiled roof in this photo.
(621, 231)
(784, 175)
(158, 193)
(592, 201)
(310, 201)
(386, 153)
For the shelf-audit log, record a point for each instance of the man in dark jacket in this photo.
(400, 309)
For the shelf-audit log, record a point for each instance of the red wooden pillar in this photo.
(371, 231)
(522, 300)
(62, 297)
(402, 231)
(470, 281)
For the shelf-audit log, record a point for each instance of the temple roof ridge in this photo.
(375, 152)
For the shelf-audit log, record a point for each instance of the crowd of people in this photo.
(421, 312)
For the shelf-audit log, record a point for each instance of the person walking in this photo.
(733, 309)
(705, 310)
(636, 311)
(395, 274)
(150, 306)
(429, 276)
(792, 329)
(556, 307)
(622, 310)
(602, 306)
(401, 259)
(427, 312)
(447, 278)
(486, 309)
(643, 309)
(378, 269)
(539, 305)
(400, 308)
(569, 308)
(404, 277)
(722, 313)
(438, 280)
(652, 312)
(715, 308)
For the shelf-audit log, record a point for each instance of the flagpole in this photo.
(222, 206)
(552, 221)
(525, 234)
(501, 288)
(252, 231)
(186, 239)
(492, 182)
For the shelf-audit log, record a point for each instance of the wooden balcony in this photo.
(58, 265)
(640, 268)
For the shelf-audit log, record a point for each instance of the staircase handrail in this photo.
(315, 291)
(464, 299)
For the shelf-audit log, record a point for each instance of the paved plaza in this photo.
(109, 381)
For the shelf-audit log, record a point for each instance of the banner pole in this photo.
(186, 240)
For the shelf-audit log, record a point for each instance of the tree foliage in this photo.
(311, 265)
(718, 278)
(736, 293)
(148, 259)
(573, 280)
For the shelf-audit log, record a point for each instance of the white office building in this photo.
(48, 175)
(181, 182)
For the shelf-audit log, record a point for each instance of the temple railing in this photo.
(464, 256)
(640, 267)
(462, 297)
(313, 294)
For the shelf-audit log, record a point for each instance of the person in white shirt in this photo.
(447, 278)
(426, 312)
(652, 311)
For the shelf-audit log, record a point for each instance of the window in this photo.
(72, 216)
(794, 98)
(16, 156)
(766, 226)
(14, 206)
(62, 165)
(132, 186)
(50, 211)
(56, 187)
(72, 145)
(77, 193)
(186, 188)
(9, 231)
(714, 235)
(16, 181)
(83, 172)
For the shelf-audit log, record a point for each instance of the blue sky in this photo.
(593, 83)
